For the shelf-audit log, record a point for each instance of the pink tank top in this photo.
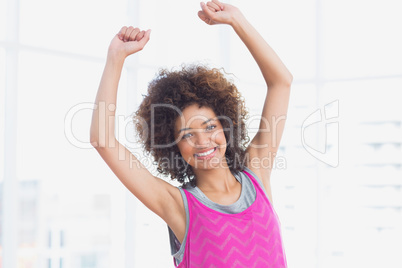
(251, 238)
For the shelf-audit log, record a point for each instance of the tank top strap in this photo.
(262, 193)
(257, 186)
(190, 201)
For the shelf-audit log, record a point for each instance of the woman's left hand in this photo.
(215, 12)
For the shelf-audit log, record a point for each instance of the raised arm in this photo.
(128, 41)
(153, 192)
(263, 147)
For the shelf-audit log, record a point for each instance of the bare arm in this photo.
(153, 192)
(102, 127)
(278, 79)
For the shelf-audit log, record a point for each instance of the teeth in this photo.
(206, 153)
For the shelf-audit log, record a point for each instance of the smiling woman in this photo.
(197, 115)
(193, 103)
(202, 143)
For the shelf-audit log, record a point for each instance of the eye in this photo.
(211, 127)
(185, 136)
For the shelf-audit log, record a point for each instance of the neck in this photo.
(219, 180)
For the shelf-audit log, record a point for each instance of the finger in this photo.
(133, 47)
(214, 6)
(203, 17)
(133, 34)
(122, 32)
(128, 33)
(208, 13)
(139, 36)
(206, 19)
(219, 4)
(124, 35)
(212, 9)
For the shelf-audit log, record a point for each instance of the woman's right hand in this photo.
(215, 12)
(128, 41)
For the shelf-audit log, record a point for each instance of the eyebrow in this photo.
(183, 129)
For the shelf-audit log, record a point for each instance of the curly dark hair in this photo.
(192, 84)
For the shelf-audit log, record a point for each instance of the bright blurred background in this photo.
(337, 185)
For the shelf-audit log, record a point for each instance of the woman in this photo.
(192, 122)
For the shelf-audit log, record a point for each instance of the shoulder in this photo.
(179, 196)
(264, 181)
(178, 193)
(254, 175)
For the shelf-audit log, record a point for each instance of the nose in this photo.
(202, 140)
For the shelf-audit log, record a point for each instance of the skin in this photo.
(198, 136)
(197, 130)
(215, 181)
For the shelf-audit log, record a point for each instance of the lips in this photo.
(206, 153)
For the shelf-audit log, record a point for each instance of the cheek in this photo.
(184, 147)
(219, 137)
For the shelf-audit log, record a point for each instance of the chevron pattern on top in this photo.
(249, 239)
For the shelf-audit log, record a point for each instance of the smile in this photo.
(206, 154)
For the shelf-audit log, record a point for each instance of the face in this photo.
(200, 136)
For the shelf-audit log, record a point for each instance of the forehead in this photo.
(194, 115)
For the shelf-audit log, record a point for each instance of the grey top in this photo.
(247, 197)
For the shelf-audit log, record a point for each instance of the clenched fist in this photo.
(128, 41)
(215, 12)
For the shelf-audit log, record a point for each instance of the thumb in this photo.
(202, 16)
(145, 39)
